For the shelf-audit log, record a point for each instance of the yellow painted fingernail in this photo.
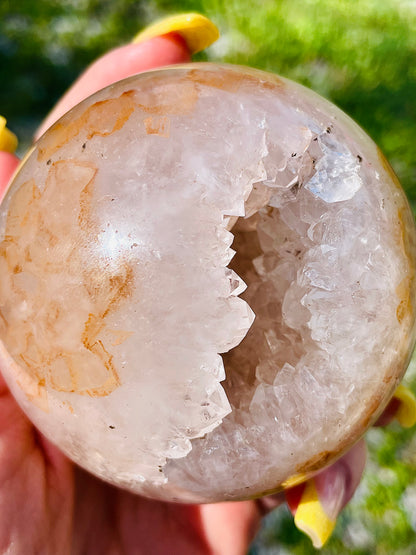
(197, 30)
(406, 413)
(8, 140)
(311, 518)
(294, 481)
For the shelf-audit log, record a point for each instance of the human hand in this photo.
(51, 506)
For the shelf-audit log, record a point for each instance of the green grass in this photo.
(358, 53)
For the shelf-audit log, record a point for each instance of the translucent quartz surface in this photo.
(128, 238)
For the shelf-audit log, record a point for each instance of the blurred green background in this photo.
(358, 53)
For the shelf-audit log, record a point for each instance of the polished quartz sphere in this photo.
(207, 283)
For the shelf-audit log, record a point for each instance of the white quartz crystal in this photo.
(128, 238)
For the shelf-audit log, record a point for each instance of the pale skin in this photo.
(50, 506)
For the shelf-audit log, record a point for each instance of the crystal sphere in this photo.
(207, 283)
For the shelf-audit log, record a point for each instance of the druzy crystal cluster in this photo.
(207, 283)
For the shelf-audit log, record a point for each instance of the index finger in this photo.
(113, 66)
(169, 41)
(118, 64)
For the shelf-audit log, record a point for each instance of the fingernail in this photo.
(197, 30)
(294, 481)
(317, 503)
(8, 140)
(406, 412)
(311, 517)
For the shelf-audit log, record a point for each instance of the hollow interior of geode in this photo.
(317, 281)
(323, 274)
